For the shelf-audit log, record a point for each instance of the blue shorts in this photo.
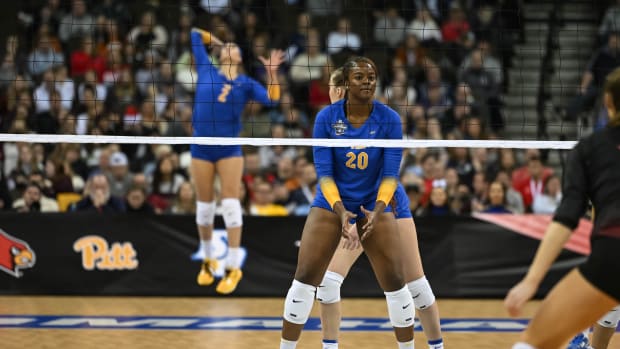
(214, 153)
(402, 203)
(400, 198)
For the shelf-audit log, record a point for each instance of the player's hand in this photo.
(353, 240)
(368, 228)
(518, 296)
(276, 57)
(345, 218)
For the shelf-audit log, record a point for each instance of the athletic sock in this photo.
(330, 344)
(521, 345)
(406, 345)
(205, 247)
(435, 344)
(233, 261)
(284, 344)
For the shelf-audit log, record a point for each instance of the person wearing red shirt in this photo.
(85, 59)
(456, 27)
(531, 183)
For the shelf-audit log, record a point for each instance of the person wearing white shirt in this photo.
(65, 86)
(43, 57)
(548, 201)
(309, 65)
(424, 27)
(42, 93)
(343, 38)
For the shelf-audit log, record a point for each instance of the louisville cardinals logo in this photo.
(15, 255)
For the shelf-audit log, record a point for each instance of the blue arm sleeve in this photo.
(393, 156)
(259, 93)
(200, 52)
(323, 156)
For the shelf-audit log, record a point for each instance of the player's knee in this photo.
(298, 303)
(205, 213)
(400, 307)
(611, 319)
(422, 293)
(232, 213)
(328, 291)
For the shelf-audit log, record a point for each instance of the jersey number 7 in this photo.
(225, 91)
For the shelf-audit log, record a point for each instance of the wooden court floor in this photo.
(229, 338)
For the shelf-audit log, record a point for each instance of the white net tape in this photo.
(385, 143)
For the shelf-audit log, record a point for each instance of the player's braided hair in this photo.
(355, 62)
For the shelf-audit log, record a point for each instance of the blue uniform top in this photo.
(357, 171)
(219, 102)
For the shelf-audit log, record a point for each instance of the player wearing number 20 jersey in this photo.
(357, 171)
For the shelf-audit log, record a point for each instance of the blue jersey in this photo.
(219, 102)
(357, 171)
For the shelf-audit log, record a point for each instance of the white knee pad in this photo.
(232, 213)
(611, 319)
(421, 293)
(205, 213)
(298, 303)
(400, 307)
(329, 290)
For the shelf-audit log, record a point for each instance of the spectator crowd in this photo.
(112, 67)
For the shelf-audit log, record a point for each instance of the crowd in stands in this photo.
(112, 67)
(605, 58)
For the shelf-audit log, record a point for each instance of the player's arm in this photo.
(207, 37)
(566, 219)
(391, 163)
(200, 38)
(324, 161)
(268, 96)
(272, 64)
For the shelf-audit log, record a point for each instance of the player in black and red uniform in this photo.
(589, 291)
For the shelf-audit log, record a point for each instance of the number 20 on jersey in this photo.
(357, 161)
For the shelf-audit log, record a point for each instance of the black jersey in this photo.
(593, 172)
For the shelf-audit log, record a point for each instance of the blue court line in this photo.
(239, 323)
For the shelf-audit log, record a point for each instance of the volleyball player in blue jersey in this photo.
(221, 96)
(356, 185)
(345, 256)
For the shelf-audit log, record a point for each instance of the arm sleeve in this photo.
(393, 156)
(574, 193)
(323, 157)
(391, 161)
(199, 50)
(267, 97)
(323, 161)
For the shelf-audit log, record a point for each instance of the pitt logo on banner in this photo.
(97, 254)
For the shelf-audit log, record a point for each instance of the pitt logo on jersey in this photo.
(339, 127)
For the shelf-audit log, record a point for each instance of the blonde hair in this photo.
(612, 87)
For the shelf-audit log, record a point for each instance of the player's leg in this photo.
(605, 328)
(551, 328)
(328, 293)
(383, 248)
(203, 172)
(421, 292)
(230, 170)
(319, 240)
